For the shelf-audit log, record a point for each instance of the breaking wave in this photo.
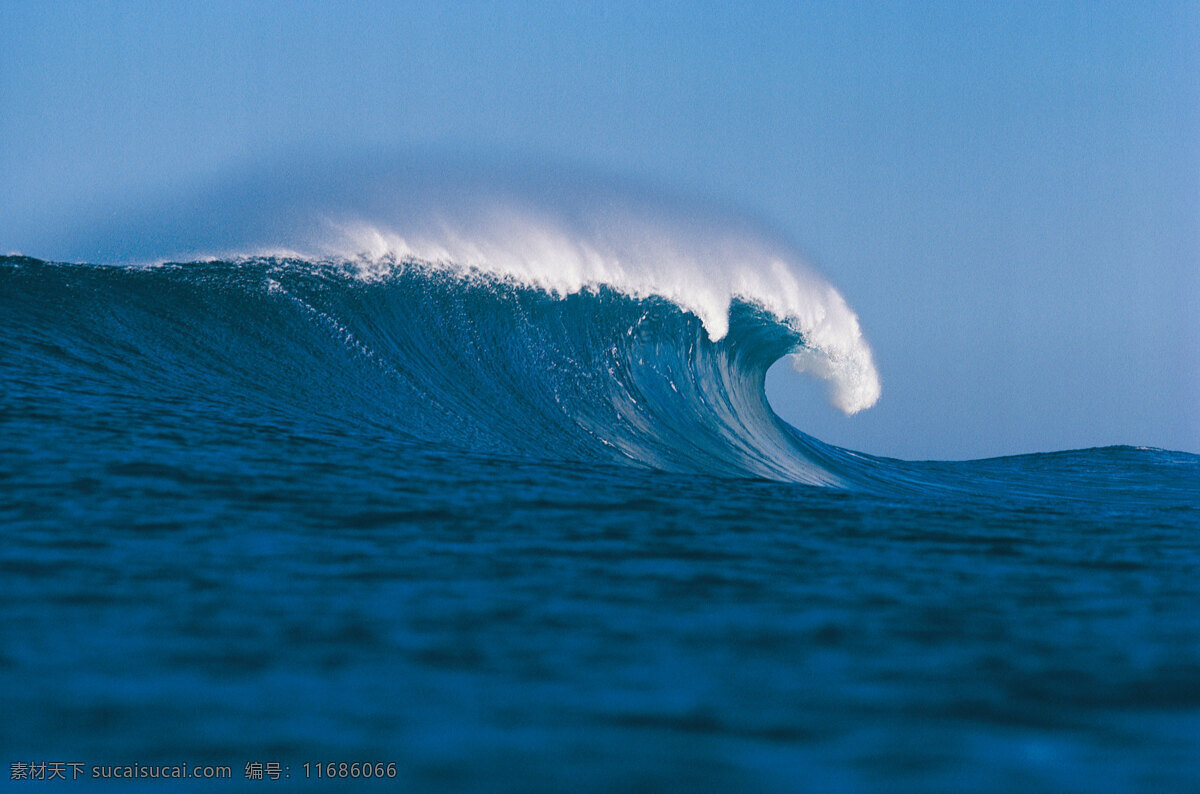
(459, 357)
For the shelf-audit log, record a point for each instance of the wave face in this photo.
(415, 350)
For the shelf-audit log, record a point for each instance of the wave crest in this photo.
(559, 231)
(704, 272)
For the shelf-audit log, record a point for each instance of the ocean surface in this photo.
(510, 535)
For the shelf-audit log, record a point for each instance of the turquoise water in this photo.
(266, 511)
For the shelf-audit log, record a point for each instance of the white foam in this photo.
(638, 250)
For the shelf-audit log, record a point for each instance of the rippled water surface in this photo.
(235, 535)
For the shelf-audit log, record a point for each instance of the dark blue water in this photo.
(268, 512)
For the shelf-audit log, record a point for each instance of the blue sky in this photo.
(1008, 194)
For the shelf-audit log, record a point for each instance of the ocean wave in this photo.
(561, 231)
(437, 355)
(453, 356)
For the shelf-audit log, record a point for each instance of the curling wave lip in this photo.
(558, 230)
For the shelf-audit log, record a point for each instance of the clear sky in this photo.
(1008, 194)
